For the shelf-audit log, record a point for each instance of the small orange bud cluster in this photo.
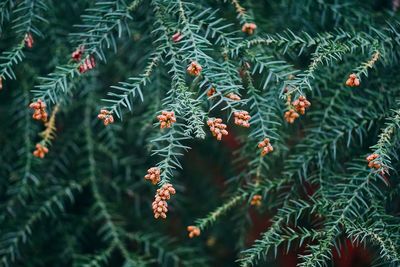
(193, 231)
(256, 200)
(167, 118)
(28, 40)
(291, 115)
(265, 146)
(106, 117)
(249, 28)
(160, 205)
(242, 118)
(194, 68)
(88, 64)
(353, 81)
(211, 92)
(153, 174)
(372, 163)
(1, 82)
(77, 54)
(301, 104)
(217, 128)
(40, 151)
(177, 37)
(39, 108)
(233, 96)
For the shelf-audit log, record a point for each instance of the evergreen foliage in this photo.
(99, 76)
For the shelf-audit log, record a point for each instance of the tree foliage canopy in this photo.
(304, 94)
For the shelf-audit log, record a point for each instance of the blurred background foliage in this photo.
(87, 204)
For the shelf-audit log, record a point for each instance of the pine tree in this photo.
(164, 133)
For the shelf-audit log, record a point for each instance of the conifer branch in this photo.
(264, 125)
(180, 102)
(26, 177)
(348, 208)
(382, 147)
(321, 141)
(377, 234)
(109, 231)
(100, 25)
(50, 132)
(11, 241)
(363, 68)
(273, 237)
(170, 153)
(327, 54)
(199, 47)
(26, 122)
(130, 90)
(221, 210)
(28, 15)
(289, 40)
(162, 246)
(192, 63)
(98, 260)
(216, 29)
(275, 70)
(10, 59)
(6, 9)
(241, 12)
